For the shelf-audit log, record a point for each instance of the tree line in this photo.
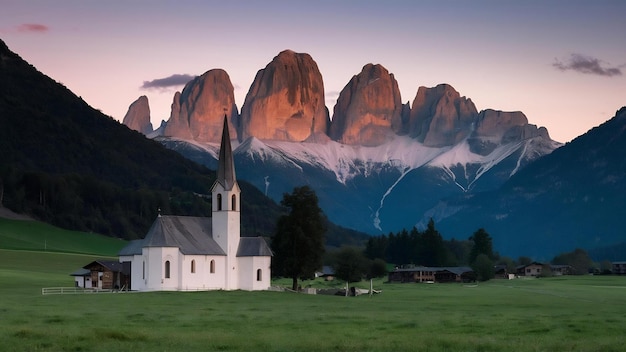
(299, 251)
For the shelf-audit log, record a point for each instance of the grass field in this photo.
(570, 313)
(561, 314)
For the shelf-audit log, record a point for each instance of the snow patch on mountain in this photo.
(377, 220)
(345, 161)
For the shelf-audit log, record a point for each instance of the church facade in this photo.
(185, 253)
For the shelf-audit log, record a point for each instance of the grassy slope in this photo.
(38, 236)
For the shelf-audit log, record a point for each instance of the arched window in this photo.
(259, 275)
(233, 202)
(212, 267)
(219, 201)
(167, 269)
(193, 266)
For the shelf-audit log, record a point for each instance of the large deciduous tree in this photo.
(298, 243)
(350, 265)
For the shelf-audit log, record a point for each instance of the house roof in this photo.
(253, 246)
(529, 264)
(192, 235)
(459, 270)
(111, 265)
(81, 272)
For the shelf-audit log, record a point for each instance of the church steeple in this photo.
(226, 210)
(226, 165)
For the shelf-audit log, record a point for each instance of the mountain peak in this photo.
(440, 116)
(286, 100)
(368, 110)
(198, 111)
(138, 116)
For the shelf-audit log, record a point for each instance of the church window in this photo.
(167, 269)
(234, 202)
(193, 266)
(212, 267)
(219, 201)
(259, 275)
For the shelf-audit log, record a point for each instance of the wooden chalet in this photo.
(536, 268)
(108, 275)
(532, 269)
(432, 274)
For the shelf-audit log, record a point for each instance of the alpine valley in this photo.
(380, 165)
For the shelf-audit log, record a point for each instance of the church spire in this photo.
(226, 165)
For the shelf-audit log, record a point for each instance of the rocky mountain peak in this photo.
(198, 112)
(494, 127)
(286, 100)
(138, 116)
(369, 109)
(440, 116)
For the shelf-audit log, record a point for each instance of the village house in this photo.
(432, 274)
(532, 269)
(186, 253)
(618, 268)
(103, 275)
(536, 269)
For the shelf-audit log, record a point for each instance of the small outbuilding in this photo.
(107, 275)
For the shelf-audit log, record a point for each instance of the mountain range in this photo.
(378, 165)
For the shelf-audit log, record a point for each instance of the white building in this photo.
(198, 253)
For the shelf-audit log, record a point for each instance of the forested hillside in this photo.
(66, 163)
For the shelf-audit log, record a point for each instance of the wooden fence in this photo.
(71, 290)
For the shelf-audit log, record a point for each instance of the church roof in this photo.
(192, 235)
(133, 247)
(253, 246)
(226, 165)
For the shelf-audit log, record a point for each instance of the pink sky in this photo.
(561, 62)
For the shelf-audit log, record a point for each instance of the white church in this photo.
(184, 253)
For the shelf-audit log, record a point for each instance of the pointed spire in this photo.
(226, 165)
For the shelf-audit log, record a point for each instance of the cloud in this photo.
(26, 28)
(586, 64)
(32, 28)
(167, 82)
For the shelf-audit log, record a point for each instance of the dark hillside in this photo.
(66, 163)
(574, 197)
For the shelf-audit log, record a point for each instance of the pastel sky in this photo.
(561, 62)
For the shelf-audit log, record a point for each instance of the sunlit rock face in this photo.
(198, 112)
(495, 124)
(285, 101)
(368, 110)
(440, 116)
(494, 127)
(138, 116)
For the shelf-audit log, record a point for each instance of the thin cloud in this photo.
(32, 28)
(586, 64)
(174, 80)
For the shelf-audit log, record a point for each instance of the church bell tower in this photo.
(226, 206)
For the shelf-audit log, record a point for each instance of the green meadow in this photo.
(573, 313)
(38, 236)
